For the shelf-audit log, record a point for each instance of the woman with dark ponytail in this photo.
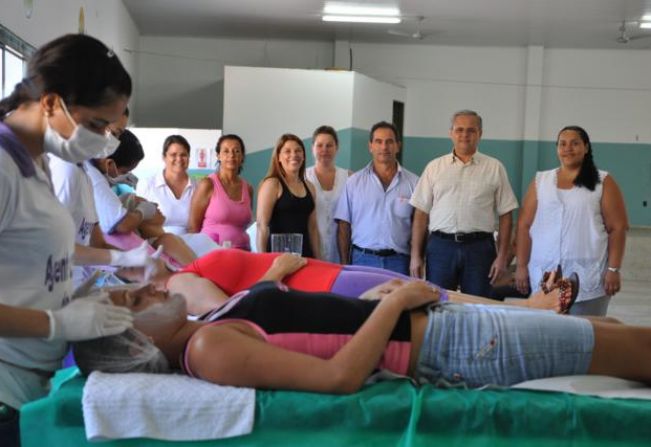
(74, 88)
(573, 216)
(588, 175)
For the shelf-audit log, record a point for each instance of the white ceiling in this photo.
(551, 23)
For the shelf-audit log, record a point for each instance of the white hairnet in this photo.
(130, 351)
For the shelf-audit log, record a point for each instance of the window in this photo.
(14, 53)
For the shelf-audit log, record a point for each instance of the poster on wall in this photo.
(203, 158)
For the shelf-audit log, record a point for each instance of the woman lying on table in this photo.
(209, 281)
(275, 338)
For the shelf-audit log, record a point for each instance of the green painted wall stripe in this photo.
(629, 164)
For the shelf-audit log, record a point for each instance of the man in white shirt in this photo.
(459, 197)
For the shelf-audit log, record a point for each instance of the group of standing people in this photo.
(452, 226)
(291, 198)
(573, 216)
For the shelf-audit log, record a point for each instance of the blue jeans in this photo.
(398, 263)
(452, 264)
(477, 345)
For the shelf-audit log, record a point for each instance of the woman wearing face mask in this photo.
(74, 87)
(329, 181)
(73, 188)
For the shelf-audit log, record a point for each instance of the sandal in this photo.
(545, 279)
(568, 291)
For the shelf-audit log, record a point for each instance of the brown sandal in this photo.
(568, 291)
(545, 278)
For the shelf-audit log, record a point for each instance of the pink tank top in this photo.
(227, 219)
(324, 346)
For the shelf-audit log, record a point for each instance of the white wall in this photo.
(606, 91)
(152, 140)
(373, 101)
(182, 79)
(440, 80)
(260, 104)
(107, 20)
(179, 81)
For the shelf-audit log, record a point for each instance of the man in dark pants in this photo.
(458, 198)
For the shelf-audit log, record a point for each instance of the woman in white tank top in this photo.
(329, 181)
(574, 216)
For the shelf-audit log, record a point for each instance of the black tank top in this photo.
(291, 214)
(278, 309)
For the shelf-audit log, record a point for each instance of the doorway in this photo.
(398, 121)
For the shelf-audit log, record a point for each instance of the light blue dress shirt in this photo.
(379, 219)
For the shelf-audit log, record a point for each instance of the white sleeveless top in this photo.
(326, 202)
(568, 229)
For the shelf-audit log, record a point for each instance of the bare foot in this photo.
(547, 301)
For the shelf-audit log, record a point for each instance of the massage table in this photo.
(391, 413)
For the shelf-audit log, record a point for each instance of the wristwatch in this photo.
(613, 269)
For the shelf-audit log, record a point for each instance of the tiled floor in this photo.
(633, 304)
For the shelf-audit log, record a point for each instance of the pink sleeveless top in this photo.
(227, 219)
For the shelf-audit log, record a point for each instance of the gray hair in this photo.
(466, 112)
(130, 351)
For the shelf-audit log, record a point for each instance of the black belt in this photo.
(383, 252)
(462, 237)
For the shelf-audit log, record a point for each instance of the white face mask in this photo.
(160, 314)
(82, 144)
(127, 179)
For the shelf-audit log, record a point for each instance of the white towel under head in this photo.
(164, 406)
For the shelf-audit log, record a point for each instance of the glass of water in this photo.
(287, 243)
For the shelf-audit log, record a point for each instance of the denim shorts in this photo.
(479, 345)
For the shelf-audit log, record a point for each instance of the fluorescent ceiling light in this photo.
(342, 9)
(361, 19)
(646, 18)
(645, 25)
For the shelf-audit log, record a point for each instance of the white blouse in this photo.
(176, 211)
(326, 202)
(569, 229)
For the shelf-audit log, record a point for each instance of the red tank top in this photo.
(235, 270)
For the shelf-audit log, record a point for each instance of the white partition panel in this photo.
(260, 104)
